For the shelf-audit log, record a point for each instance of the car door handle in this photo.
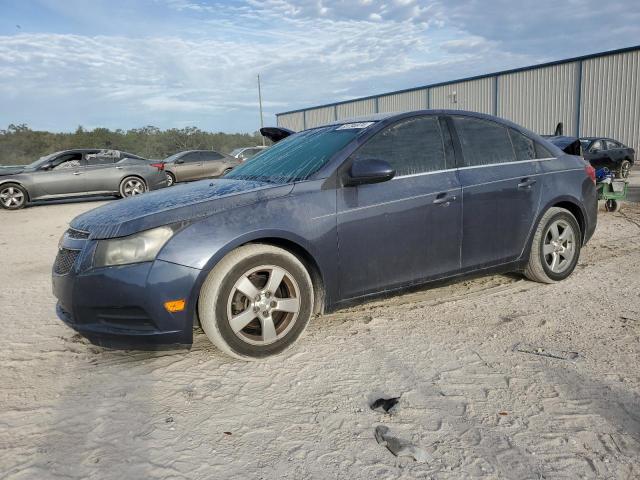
(118, 168)
(444, 199)
(77, 173)
(526, 183)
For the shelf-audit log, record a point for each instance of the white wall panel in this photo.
(473, 95)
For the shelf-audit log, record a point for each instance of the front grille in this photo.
(77, 234)
(64, 261)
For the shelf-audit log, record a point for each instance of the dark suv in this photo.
(325, 218)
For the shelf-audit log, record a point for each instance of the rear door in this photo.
(213, 164)
(407, 229)
(190, 169)
(100, 173)
(500, 191)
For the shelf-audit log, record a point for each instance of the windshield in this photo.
(296, 157)
(584, 143)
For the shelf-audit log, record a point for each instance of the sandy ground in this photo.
(480, 407)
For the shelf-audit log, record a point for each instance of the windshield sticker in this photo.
(353, 126)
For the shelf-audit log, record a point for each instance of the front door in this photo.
(64, 178)
(407, 229)
(500, 191)
(190, 169)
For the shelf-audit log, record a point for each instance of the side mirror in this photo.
(369, 170)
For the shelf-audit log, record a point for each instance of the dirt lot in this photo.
(477, 405)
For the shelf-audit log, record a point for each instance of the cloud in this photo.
(175, 60)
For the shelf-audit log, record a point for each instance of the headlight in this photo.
(141, 247)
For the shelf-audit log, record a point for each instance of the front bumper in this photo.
(123, 307)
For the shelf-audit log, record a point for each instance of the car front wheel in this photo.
(256, 302)
(625, 167)
(555, 248)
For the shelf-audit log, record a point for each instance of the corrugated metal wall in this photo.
(539, 99)
(293, 121)
(403, 102)
(594, 95)
(319, 116)
(356, 109)
(475, 95)
(610, 98)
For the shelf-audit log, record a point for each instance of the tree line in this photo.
(20, 145)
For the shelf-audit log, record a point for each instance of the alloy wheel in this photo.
(133, 187)
(263, 305)
(559, 246)
(11, 197)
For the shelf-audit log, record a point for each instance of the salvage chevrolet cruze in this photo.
(325, 218)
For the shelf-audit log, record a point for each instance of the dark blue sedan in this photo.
(326, 218)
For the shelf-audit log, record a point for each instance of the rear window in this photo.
(483, 142)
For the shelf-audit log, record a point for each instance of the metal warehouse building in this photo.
(593, 95)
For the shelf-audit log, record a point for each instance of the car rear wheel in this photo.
(226, 171)
(555, 248)
(256, 302)
(170, 179)
(132, 186)
(12, 196)
(625, 167)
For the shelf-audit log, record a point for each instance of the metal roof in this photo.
(476, 77)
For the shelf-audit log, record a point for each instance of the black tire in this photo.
(127, 182)
(13, 196)
(226, 171)
(171, 179)
(624, 169)
(538, 268)
(220, 295)
(612, 205)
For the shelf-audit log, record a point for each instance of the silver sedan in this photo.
(78, 173)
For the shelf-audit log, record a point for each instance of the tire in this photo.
(623, 170)
(171, 179)
(226, 171)
(612, 205)
(221, 299)
(13, 196)
(132, 186)
(563, 245)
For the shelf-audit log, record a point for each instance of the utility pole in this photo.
(260, 101)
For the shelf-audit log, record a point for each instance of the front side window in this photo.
(410, 146)
(483, 142)
(596, 146)
(298, 156)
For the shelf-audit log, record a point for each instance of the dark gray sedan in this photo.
(325, 218)
(77, 173)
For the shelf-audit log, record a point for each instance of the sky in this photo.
(176, 63)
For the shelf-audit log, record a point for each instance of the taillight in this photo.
(159, 166)
(591, 172)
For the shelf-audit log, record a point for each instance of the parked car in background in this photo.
(78, 173)
(197, 164)
(245, 153)
(306, 229)
(606, 152)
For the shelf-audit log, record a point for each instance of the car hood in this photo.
(11, 169)
(172, 205)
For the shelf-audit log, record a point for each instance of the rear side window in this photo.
(523, 147)
(612, 145)
(192, 157)
(483, 142)
(98, 160)
(542, 152)
(410, 146)
(211, 155)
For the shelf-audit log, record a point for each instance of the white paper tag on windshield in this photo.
(352, 126)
